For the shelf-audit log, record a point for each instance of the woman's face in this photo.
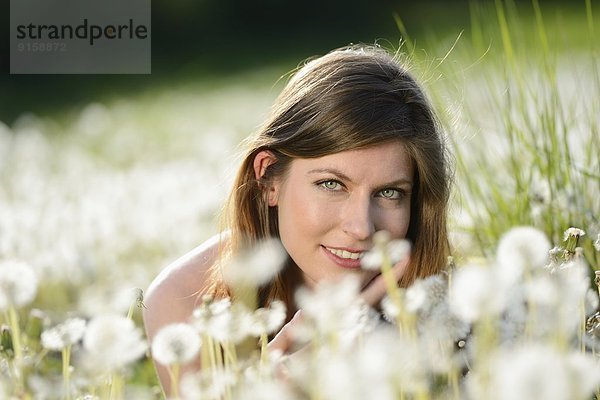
(329, 207)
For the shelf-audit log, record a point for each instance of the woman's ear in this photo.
(262, 160)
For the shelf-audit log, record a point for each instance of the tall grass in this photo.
(522, 115)
(96, 201)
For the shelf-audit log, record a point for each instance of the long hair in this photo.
(349, 99)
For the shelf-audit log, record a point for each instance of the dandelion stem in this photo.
(264, 340)
(453, 382)
(66, 372)
(205, 351)
(116, 385)
(13, 321)
(213, 355)
(174, 375)
(219, 355)
(131, 309)
(230, 353)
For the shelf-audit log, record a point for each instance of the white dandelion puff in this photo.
(390, 309)
(18, 284)
(176, 343)
(207, 384)
(64, 334)
(541, 372)
(334, 306)
(232, 324)
(424, 293)
(573, 232)
(268, 320)
(474, 292)
(112, 342)
(261, 389)
(519, 249)
(394, 251)
(256, 266)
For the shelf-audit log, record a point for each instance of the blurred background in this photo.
(208, 39)
(105, 179)
(112, 176)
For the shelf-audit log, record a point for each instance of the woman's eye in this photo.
(392, 194)
(330, 185)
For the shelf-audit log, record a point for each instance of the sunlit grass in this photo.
(99, 198)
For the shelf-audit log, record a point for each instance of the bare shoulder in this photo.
(173, 294)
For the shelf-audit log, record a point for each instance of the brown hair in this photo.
(351, 98)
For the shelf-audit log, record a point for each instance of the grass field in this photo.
(95, 200)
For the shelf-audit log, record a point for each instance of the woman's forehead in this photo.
(388, 161)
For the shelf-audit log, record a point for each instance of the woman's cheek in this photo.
(396, 222)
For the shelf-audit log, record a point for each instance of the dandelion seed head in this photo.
(474, 292)
(521, 248)
(332, 305)
(440, 324)
(261, 389)
(207, 384)
(389, 308)
(112, 342)
(258, 265)
(424, 293)
(534, 372)
(591, 301)
(64, 334)
(231, 325)
(176, 343)
(381, 238)
(268, 320)
(220, 306)
(542, 291)
(573, 232)
(395, 251)
(18, 284)
(372, 260)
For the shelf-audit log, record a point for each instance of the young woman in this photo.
(351, 147)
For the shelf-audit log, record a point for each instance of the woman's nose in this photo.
(357, 220)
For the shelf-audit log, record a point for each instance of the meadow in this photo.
(96, 200)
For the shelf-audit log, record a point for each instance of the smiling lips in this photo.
(345, 253)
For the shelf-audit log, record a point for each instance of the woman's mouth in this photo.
(344, 258)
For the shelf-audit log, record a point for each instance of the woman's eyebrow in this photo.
(333, 171)
(341, 175)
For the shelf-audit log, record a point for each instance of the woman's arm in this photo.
(173, 295)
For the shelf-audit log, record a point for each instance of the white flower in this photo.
(202, 315)
(268, 320)
(176, 343)
(334, 306)
(207, 384)
(475, 292)
(424, 293)
(395, 251)
(108, 299)
(597, 243)
(65, 334)
(519, 249)
(573, 232)
(257, 265)
(112, 342)
(18, 284)
(532, 372)
(261, 389)
(232, 324)
(390, 308)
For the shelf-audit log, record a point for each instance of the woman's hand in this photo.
(285, 340)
